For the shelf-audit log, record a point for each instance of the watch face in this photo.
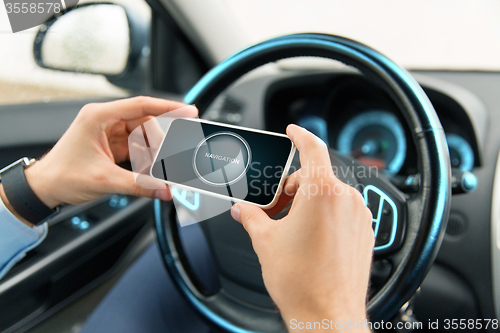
(233, 162)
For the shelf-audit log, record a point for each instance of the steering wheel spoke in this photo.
(386, 202)
(388, 206)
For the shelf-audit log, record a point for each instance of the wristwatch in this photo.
(21, 196)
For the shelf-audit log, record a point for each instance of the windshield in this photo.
(425, 34)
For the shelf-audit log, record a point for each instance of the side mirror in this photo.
(97, 38)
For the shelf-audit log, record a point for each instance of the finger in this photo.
(311, 148)
(154, 133)
(286, 195)
(134, 123)
(148, 134)
(314, 157)
(138, 107)
(187, 111)
(146, 181)
(250, 216)
(141, 156)
(123, 182)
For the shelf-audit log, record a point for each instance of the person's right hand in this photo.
(316, 260)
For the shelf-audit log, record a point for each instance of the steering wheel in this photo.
(409, 228)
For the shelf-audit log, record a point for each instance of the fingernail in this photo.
(163, 195)
(235, 212)
(289, 130)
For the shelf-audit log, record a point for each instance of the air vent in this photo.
(226, 110)
(457, 224)
(231, 104)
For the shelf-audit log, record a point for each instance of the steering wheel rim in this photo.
(428, 210)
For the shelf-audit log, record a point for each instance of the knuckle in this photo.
(318, 145)
(100, 178)
(141, 100)
(358, 197)
(331, 182)
(88, 111)
(88, 108)
(372, 240)
(321, 175)
(246, 215)
(330, 189)
(315, 140)
(368, 214)
(245, 218)
(135, 190)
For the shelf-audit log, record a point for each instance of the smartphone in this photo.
(232, 162)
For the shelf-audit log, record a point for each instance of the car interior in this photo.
(436, 258)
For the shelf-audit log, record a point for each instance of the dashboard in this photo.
(356, 118)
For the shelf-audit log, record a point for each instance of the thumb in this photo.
(124, 182)
(250, 216)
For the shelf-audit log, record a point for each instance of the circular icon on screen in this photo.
(221, 158)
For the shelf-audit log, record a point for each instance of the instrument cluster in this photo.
(357, 118)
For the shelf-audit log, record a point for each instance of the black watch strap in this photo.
(21, 196)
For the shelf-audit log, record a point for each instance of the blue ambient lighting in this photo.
(189, 199)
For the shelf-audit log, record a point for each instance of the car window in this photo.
(23, 81)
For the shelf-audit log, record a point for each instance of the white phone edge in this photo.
(194, 189)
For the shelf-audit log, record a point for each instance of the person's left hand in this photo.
(82, 165)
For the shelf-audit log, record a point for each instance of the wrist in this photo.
(40, 183)
(7, 204)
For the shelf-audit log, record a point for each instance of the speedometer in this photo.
(375, 138)
(461, 153)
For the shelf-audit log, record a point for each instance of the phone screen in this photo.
(233, 162)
